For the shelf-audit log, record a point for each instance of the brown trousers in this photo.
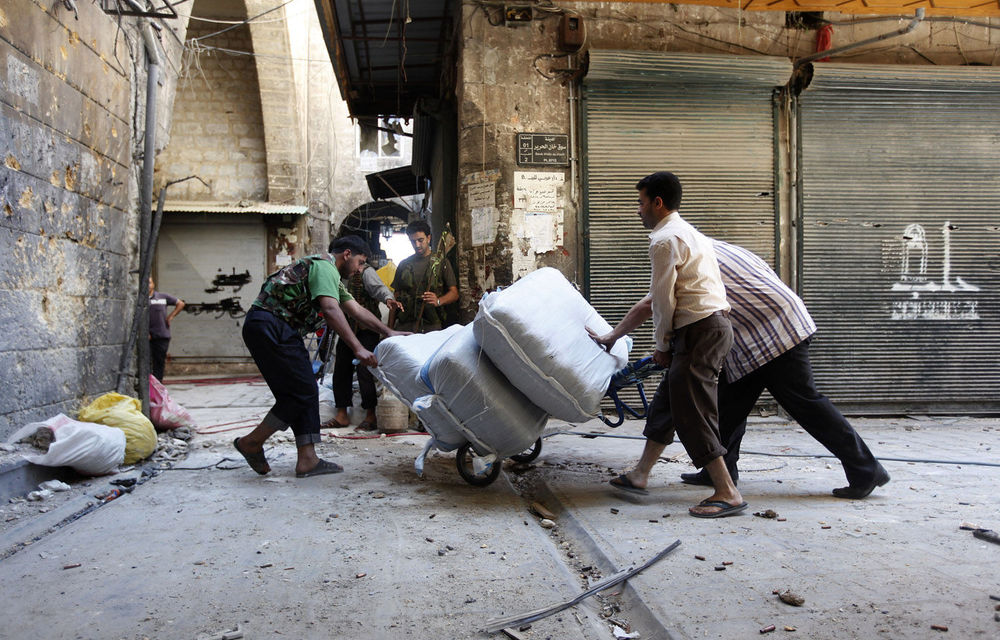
(686, 401)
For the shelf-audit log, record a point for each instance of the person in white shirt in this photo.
(693, 336)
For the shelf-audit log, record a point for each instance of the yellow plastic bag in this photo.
(125, 413)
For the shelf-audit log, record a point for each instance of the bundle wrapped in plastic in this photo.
(535, 332)
(401, 358)
(469, 399)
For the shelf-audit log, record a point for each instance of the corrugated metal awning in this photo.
(240, 207)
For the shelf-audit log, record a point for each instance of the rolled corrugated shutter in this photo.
(706, 118)
(900, 206)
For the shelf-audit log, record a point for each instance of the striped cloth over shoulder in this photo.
(768, 318)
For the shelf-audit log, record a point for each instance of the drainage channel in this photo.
(622, 611)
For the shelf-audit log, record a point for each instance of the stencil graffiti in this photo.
(939, 301)
(227, 306)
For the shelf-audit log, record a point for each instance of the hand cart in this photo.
(481, 471)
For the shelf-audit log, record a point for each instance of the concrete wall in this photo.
(72, 94)
(502, 91)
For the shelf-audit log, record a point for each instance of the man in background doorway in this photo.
(423, 285)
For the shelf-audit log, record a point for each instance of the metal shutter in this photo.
(706, 118)
(900, 234)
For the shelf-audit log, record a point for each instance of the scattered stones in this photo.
(791, 598)
(54, 485)
(37, 496)
(770, 513)
(545, 523)
(539, 510)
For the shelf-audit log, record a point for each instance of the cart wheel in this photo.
(529, 454)
(463, 460)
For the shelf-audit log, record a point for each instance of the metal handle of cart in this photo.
(631, 374)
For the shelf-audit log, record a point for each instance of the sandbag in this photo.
(90, 449)
(401, 358)
(535, 332)
(164, 412)
(122, 412)
(469, 399)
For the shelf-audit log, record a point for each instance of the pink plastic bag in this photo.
(163, 411)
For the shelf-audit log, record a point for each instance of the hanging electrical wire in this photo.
(239, 24)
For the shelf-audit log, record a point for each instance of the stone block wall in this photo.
(72, 93)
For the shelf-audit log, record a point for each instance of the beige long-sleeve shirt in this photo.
(685, 283)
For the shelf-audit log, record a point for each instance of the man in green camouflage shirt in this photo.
(294, 302)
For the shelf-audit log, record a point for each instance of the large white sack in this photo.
(400, 359)
(535, 332)
(90, 449)
(470, 400)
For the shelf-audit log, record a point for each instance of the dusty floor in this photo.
(377, 552)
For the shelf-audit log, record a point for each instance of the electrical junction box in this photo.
(515, 15)
(571, 33)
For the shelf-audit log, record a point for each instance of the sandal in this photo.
(257, 461)
(322, 467)
(333, 423)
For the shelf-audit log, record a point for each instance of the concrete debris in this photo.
(546, 523)
(234, 634)
(36, 496)
(7, 447)
(169, 449)
(791, 598)
(54, 485)
(539, 510)
(622, 633)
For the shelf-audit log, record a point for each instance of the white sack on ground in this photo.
(90, 449)
(400, 359)
(470, 399)
(535, 332)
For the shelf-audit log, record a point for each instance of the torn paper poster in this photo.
(539, 191)
(484, 225)
(482, 194)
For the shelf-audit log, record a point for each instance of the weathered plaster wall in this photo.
(72, 93)
(217, 130)
(502, 91)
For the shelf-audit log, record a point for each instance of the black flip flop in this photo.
(257, 461)
(726, 509)
(622, 482)
(322, 467)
